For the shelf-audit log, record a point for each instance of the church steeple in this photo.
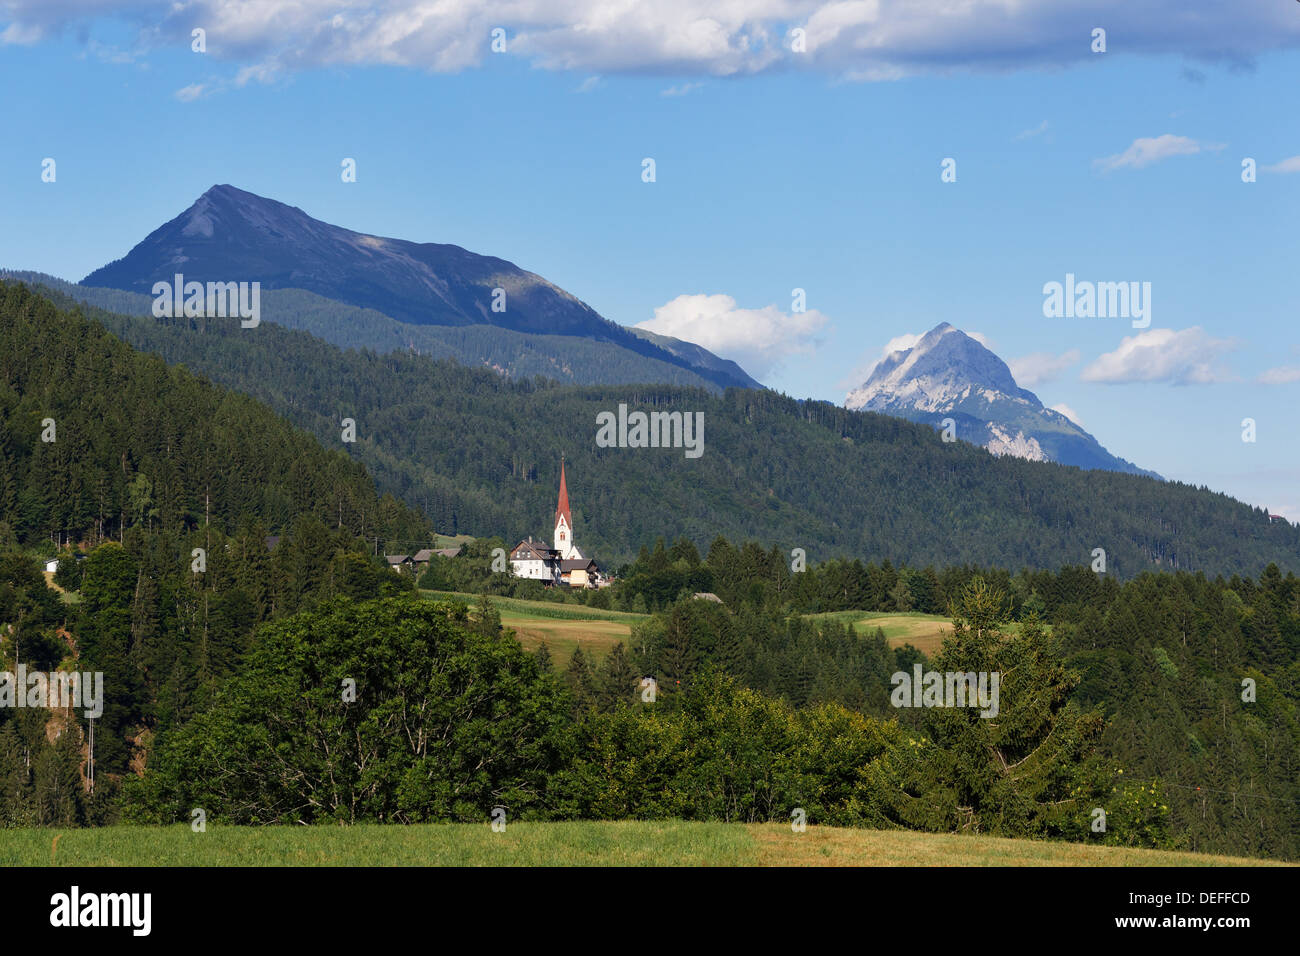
(564, 521)
(562, 507)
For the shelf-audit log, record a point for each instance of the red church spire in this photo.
(562, 507)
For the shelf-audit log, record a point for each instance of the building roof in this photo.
(447, 552)
(562, 506)
(577, 565)
(424, 554)
(532, 551)
(397, 558)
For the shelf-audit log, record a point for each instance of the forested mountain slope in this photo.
(481, 455)
(95, 437)
(565, 358)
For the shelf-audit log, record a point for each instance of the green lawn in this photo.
(925, 632)
(539, 609)
(564, 627)
(557, 844)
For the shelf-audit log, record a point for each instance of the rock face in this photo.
(948, 374)
(233, 235)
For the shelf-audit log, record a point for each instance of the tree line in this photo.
(479, 454)
(403, 711)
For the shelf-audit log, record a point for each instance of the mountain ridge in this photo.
(948, 374)
(232, 234)
(480, 454)
(516, 355)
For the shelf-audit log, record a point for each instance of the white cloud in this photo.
(107, 53)
(587, 85)
(1282, 375)
(867, 363)
(758, 339)
(680, 90)
(19, 35)
(1289, 165)
(188, 94)
(1068, 412)
(1147, 150)
(1188, 357)
(899, 343)
(1031, 370)
(1031, 133)
(855, 39)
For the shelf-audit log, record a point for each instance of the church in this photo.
(563, 564)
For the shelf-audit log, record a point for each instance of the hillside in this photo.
(519, 355)
(562, 628)
(480, 455)
(229, 233)
(660, 843)
(134, 441)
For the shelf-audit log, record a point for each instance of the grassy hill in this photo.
(564, 627)
(925, 632)
(668, 843)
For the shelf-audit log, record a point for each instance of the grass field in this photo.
(925, 632)
(671, 843)
(596, 638)
(564, 627)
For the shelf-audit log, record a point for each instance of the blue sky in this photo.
(773, 172)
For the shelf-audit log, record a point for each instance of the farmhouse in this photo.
(419, 561)
(563, 564)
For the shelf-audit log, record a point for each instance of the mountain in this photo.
(232, 235)
(948, 374)
(518, 355)
(698, 357)
(481, 455)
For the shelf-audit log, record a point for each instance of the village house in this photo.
(419, 561)
(562, 564)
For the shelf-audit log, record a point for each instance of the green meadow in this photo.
(667, 843)
(564, 627)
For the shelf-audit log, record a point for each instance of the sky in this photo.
(796, 145)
